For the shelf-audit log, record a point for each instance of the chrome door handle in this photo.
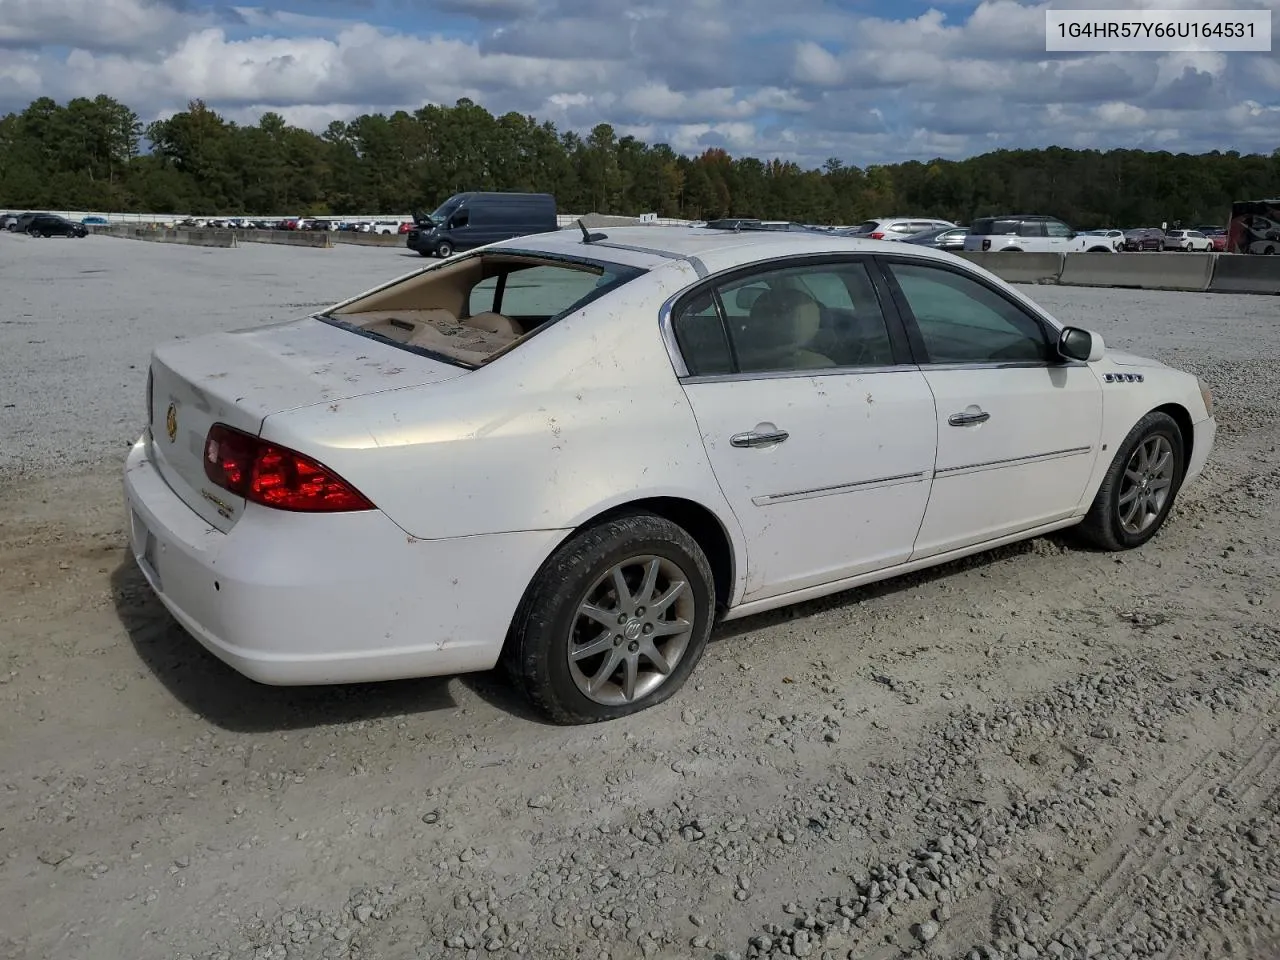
(753, 439)
(965, 419)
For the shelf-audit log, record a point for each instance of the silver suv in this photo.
(895, 228)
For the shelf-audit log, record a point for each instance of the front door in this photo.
(819, 432)
(1018, 430)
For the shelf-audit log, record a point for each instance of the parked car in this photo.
(1030, 233)
(469, 220)
(751, 223)
(1115, 238)
(895, 228)
(95, 221)
(23, 221)
(1144, 239)
(1187, 240)
(574, 452)
(948, 238)
(7, 219)
(49, 225)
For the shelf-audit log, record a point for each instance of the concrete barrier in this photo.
(1139, 271)
(1019, 267)
(196, 238)
(291, 238)
(1244, 273)
(357, 239)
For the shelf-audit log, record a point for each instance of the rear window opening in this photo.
(470, 310)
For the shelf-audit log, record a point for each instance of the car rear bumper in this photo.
(287, 598)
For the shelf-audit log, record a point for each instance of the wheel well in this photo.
(703, 525)
(1099, 250)
(1183, 419)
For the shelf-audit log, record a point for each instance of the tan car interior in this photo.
(779, 333)
(430, 310)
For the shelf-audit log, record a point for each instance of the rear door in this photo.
(1018, 430)
(820, 431)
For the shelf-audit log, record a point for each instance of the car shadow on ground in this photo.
(895, 585)
(225, 698)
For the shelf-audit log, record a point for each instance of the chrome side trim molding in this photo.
(1011, 461)
(767, 499)
(793, 374)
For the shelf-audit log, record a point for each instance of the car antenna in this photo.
(588, 237)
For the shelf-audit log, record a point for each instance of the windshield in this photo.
(441, 213)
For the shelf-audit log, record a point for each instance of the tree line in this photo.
(95, 154)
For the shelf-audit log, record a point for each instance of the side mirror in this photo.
(1078, 344)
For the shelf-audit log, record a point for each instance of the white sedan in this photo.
(572, 453)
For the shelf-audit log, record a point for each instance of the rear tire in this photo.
(444, 251)
(584, 652)
(1139, 488)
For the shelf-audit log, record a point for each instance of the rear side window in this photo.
(812, 317)
(700, 336)
(991, 227)
(1031, 228)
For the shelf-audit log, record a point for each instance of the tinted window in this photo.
(801, 318)
(963, 321)
(992, 227)
(1031, 228)
(700, 336)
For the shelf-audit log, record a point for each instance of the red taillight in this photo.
(275, 476)
(876, 235)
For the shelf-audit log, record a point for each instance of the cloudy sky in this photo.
(864, 80)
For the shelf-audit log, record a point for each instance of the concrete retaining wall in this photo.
(1019, 267)
(195, 238)
(1141, 271)
(1246, 274)
(356, 239)
(290, 238)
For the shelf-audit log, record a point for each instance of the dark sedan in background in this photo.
(950, 238)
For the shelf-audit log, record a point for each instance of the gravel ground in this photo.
(1038, 753)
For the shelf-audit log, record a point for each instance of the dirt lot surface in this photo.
(1043, 752)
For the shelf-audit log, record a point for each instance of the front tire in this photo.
(614, 622)
(1140, 486)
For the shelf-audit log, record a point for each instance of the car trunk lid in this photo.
(241, 377)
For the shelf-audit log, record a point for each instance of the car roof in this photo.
(651, 247)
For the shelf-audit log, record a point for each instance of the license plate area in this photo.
(146, 549)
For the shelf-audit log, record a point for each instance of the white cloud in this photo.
(803, 80)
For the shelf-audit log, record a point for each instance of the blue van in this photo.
(469, 220)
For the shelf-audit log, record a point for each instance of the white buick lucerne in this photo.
(573, 453)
